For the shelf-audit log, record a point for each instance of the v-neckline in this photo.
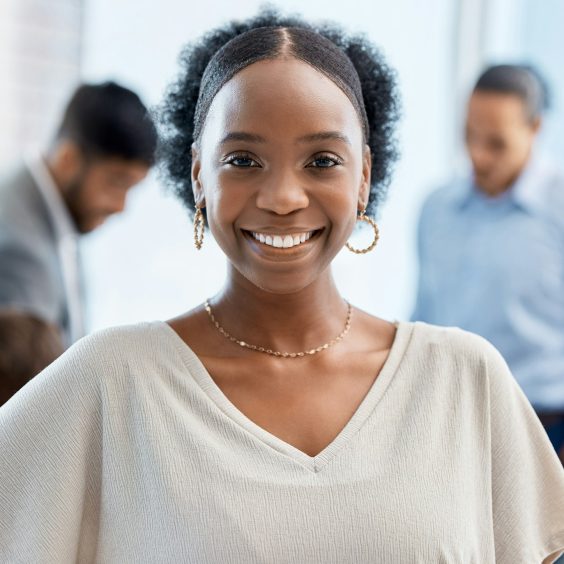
(316, 463)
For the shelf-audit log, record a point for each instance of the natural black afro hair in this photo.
(352, 62)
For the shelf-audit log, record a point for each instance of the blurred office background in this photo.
(142, 264)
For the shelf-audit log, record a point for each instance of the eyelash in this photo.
(332, 158)
(231, 159)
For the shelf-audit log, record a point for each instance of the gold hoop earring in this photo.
(369, 220)
(199, 228)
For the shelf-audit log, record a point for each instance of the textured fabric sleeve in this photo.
(50, 445)
(527, 477)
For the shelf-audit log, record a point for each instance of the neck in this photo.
(287, 322)
(54, 170)
(494, 191)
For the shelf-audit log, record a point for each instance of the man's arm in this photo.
(26, 280)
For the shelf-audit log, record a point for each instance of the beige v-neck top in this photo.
(125, 451)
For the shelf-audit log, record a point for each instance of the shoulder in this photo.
(18, 189)
(453, 340)
(14, 176)
(542, 187)
(462, 366)
(453, 350)
(96, 364)
(29, 266)
(115, 346)
(24, 218)
(554, 194)
(21, 246)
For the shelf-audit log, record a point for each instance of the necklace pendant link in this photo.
(279, 354)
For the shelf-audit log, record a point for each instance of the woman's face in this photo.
(282, 170)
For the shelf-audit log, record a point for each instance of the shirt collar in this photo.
(525, 191)
(62, 221)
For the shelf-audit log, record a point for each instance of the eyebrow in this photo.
(253, 138)
(324, 136)
(242, 136)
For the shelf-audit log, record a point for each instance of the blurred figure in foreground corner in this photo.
(104, 145)
(27, 345)
(491, 247)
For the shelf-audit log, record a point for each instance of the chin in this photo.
(86, 227)
(282, 284)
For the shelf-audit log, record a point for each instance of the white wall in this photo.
(39, 66)
(142, 265)
(526, 31)
(542, 43)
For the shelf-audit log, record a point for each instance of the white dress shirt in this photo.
(67, 238)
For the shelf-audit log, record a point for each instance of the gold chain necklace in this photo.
(278, 353)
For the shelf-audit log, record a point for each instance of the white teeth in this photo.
(282, 241)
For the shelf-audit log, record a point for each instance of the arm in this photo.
(527, 477)
(27, 278)
(50, 468)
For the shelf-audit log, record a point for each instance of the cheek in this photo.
(225, 195)
(95, 196)
(91, 189)
(519, 144)
(513, 159)
(225, 201)
(342, 193)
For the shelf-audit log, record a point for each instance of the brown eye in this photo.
(325, 161)
(241, 161)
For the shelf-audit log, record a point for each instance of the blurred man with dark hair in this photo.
(104, 146)
(491, 247)
(27, 345)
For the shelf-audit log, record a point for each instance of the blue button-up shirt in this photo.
(495, 266)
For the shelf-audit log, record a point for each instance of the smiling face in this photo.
(282, 170)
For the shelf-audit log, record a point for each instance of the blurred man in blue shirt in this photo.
(491, 247)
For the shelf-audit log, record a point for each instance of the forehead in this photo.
(496, 110)
(281, 97)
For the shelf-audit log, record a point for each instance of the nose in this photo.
(282, 194)
(481, 158)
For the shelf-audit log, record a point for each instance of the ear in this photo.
(68, 158)
(197, 188)
(536, 125)
(364, 192)
(66, 162)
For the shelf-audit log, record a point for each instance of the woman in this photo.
(276, 423)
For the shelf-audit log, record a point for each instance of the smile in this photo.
(282, 241)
